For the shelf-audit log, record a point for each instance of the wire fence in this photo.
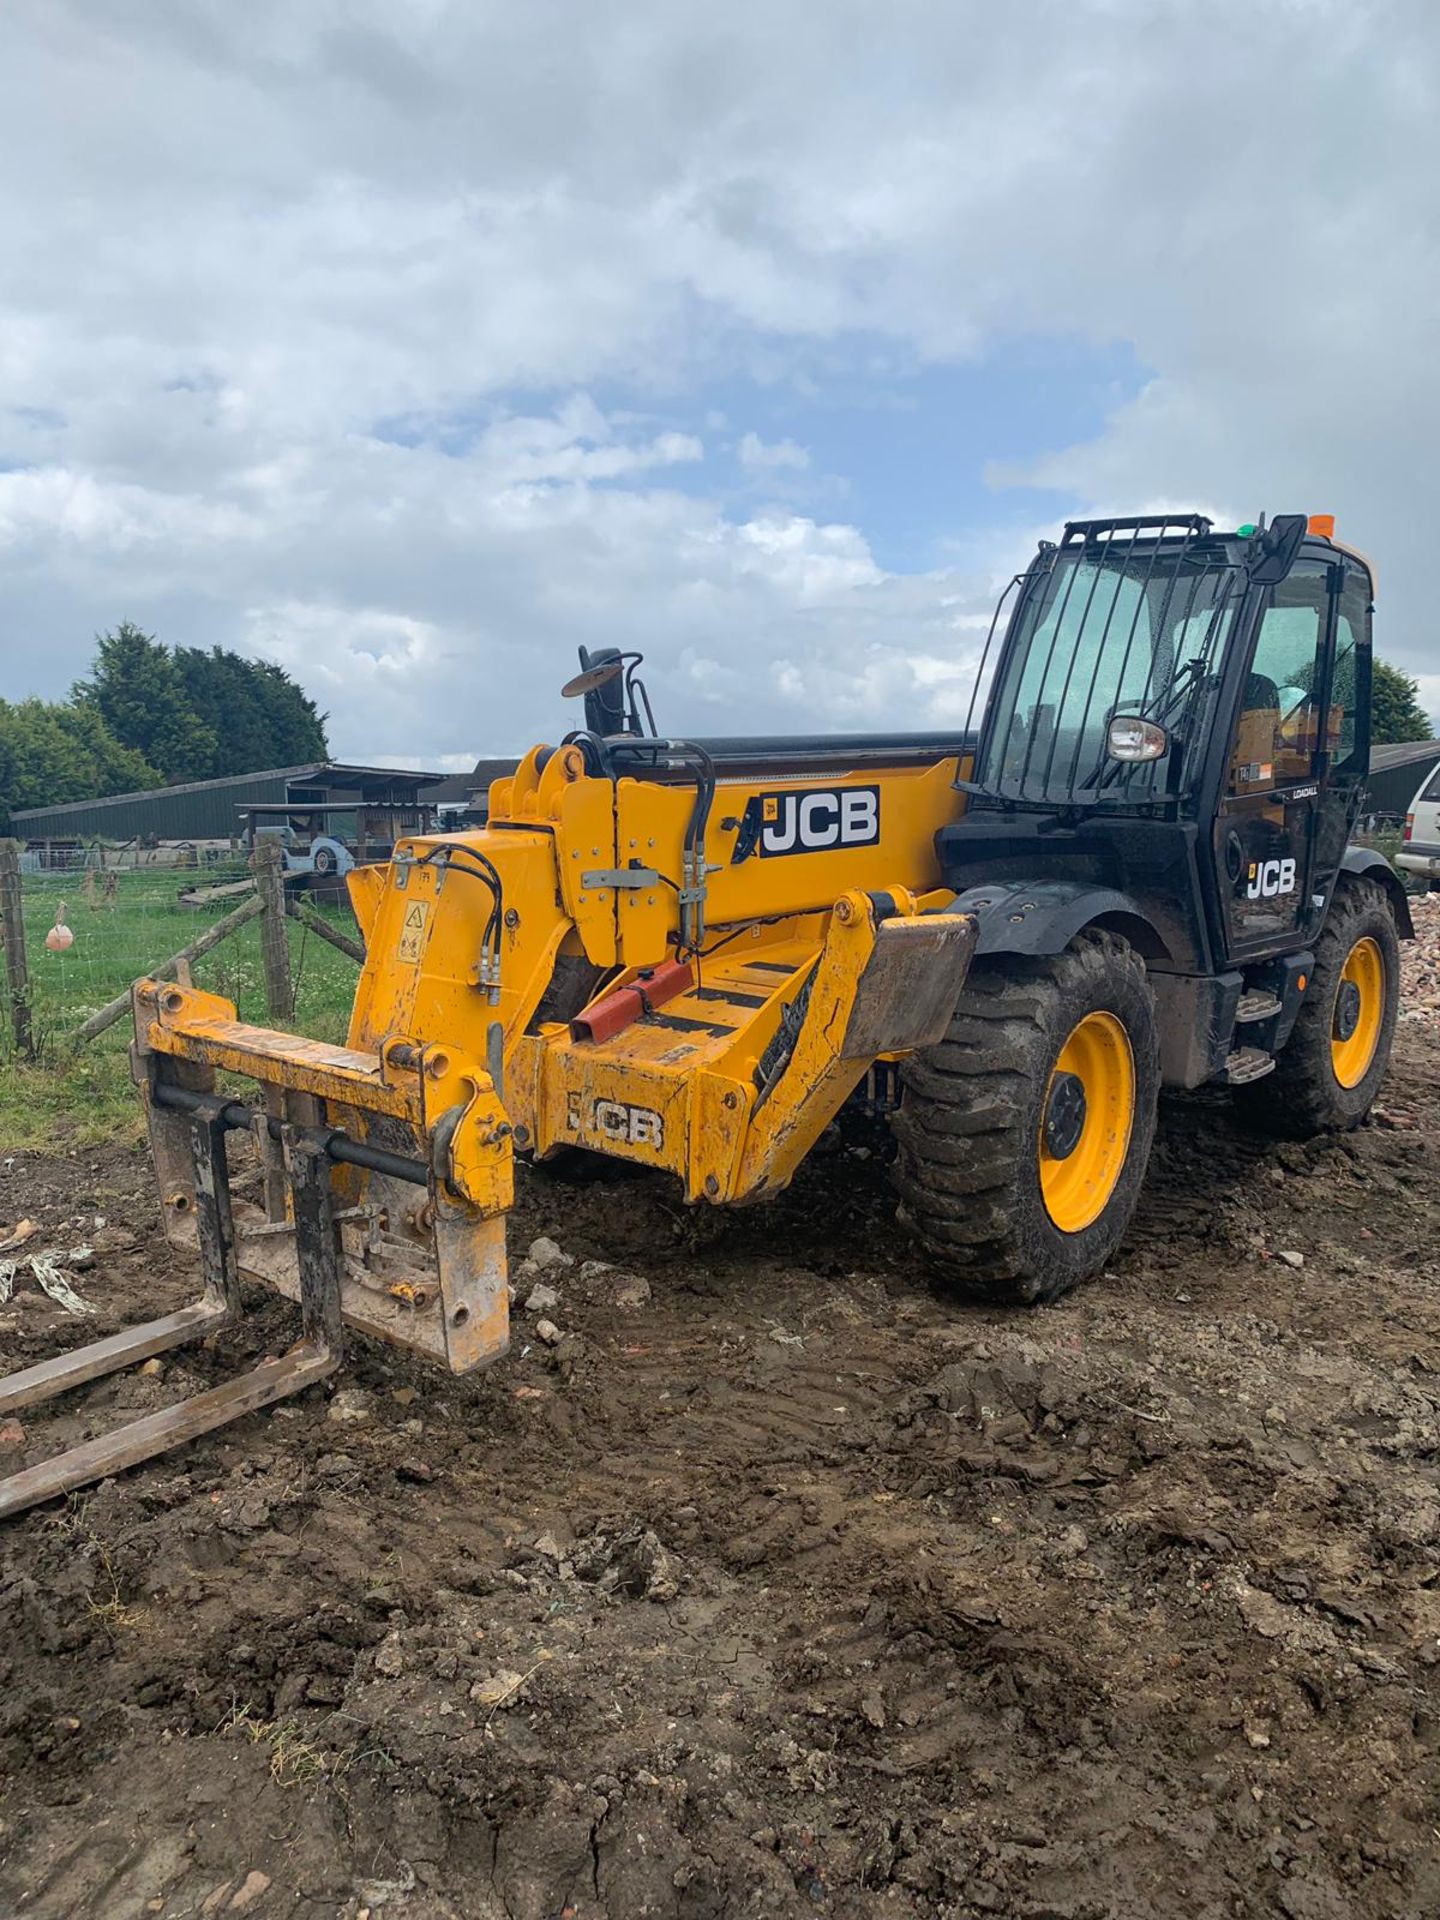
(133, 856)
(89, 934)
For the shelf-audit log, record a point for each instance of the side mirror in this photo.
(1279, 545)
(600, 681)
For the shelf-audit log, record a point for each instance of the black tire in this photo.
(969, 1128)
(324, 861)
(1303, 1096)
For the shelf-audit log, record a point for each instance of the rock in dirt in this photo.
(1291, 1257)
(390, 1659)
(632, 1562)
(12, 1434)
(375, 1893)
(545, 1256)
(502, 1689)
(547, 1331)
(541, 1298)
(351, 1404)
(248, 1892)
(633, 1291)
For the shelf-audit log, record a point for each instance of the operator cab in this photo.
(1191, 708)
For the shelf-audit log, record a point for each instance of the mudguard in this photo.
(1042, 917)
(1370, 865)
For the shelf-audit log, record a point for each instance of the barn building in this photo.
(209, 812)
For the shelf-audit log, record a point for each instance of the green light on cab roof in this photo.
(1247, 532)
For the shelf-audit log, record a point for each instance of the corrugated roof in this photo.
(1400, 753)
(311, 770)
(463, 786)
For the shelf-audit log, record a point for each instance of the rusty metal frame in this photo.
(317, 1354)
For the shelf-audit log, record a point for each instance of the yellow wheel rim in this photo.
(1359, 1013)
(1076, 1181)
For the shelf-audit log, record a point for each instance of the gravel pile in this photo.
(1420, 961)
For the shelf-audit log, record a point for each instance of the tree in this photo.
(139, 693)
(259, 717)
(219, 686)
(112, 768)
(51, 754)
(149, 715)
(1395, 710)
(296, 725)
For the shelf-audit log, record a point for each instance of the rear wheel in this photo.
(1024, 1136)
(1330, 1069)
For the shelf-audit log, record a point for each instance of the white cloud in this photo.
(759, 456)
(280, 278)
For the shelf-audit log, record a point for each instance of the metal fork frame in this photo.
(307, 1160)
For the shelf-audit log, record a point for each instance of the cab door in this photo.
(1265, 826)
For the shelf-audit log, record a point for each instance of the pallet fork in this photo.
(341, 1262)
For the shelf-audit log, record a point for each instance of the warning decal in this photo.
(412, 929)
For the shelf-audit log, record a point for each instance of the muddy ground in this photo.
(779, 1586)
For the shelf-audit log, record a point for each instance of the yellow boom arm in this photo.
(805, 909)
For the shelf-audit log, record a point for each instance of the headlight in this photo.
(1131, 738)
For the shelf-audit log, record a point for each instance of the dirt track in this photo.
(787, 1590)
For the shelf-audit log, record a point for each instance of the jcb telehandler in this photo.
(691, 954)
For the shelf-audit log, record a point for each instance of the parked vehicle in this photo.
(1420, 852)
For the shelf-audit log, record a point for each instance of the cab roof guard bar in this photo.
(1195, 524)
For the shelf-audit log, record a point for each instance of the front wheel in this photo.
(1330, 1069)
(1025, 1134)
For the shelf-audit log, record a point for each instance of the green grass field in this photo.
(80, 1097)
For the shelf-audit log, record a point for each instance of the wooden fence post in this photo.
(274, 933)
(307, 916)
(12, 928)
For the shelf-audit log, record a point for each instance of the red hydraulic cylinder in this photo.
(651, 988)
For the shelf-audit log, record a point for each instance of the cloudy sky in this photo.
(411, 344)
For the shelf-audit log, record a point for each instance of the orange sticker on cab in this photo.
(412, 930)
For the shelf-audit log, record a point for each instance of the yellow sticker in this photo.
(412, 930)
(770, 807)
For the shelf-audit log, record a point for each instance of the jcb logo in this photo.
(1270, 878)
(822, 818)
(615, 1120)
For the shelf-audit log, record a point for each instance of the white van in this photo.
(1421, 850)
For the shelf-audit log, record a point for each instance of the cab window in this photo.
(1278, 732)
(1345, 680)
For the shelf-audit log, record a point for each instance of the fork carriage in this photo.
(407, 1245)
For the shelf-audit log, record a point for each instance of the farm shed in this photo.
(210, 809)
(464, 798)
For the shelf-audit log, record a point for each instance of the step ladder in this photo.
(1257, 1003)
(1245, 1064)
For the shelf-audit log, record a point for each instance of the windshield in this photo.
(1141, 631)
